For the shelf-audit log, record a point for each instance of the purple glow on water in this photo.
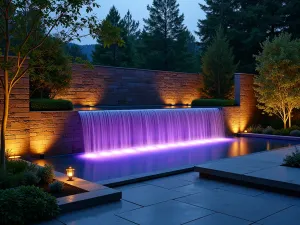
(153, 148)
(121, 132)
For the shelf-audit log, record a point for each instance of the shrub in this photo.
(295, 133)
(30, 178)
(292, 160)
(255, 129)
(26, 205)
(46, 174)
(9, 180)
(213, 102)
(50, 105)
(56, 187)
(16, 166)
(268, 130)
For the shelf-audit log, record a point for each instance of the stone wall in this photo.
(17, 135)
(238, 118)
(115, 86)
(55, 133)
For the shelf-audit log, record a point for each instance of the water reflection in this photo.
(109, 168)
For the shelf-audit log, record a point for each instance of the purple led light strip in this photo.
(152, 148)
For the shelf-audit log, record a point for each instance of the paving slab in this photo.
(166, 213)
(233, 204)
(240, 165)
(88, 199)
(288, 216)
(51, 222)
(168, 182)
(241, 189)
(199, 186)
(129, 186)
(262, 169)
(104, 214)
(291, 200)
(219, 219)
(149, 195)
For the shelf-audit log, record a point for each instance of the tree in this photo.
(74, 51)
(130, 34)
(109, 56)
(246, 23)
(51, 70)
(218, 67)
(164, 37)
(48, 15)
(278, 83)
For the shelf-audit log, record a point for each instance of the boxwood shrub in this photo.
(50, 105)
(26, 205)
(213, 102)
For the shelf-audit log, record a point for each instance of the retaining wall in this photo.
(114, 86)
(54, 133)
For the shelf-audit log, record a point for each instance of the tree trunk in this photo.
(284, 124)
(290, 119)
(4, 124)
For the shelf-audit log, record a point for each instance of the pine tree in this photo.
(218, 67)
(130, 35)
(124, 56)
(164, 37)
(246, 23)
(109, 56)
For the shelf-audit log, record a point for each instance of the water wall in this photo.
(123, 129)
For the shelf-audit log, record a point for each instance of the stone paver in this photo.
(149, 195)
(240, 165)
(166, 213)
(280, 173)
(238, 205)
(292, 200)
(52, 222)
(219, 219)
(242, 189)
(168, 182)
(199, 186)
(200, 202)
(129, 186)
(97, 215)
(288, 216)
(190, 176)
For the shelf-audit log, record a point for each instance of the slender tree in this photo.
(49, 15)
(218, 67)
(278, 83)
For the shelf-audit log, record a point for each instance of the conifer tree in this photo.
(218, 67)
(164, 37)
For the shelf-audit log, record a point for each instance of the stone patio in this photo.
(188, 199)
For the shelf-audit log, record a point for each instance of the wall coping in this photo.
(125, 68)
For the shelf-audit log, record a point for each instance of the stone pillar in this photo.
(245, 98)
(238, 118)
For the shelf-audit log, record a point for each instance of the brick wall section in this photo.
(114, 86)
(55, 133)
(238, 118)
(17, 136)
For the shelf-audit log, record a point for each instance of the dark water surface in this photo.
(101, 169)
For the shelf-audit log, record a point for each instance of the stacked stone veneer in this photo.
(239, 117)
(55, 133)
(18, 130)
(115, 86)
